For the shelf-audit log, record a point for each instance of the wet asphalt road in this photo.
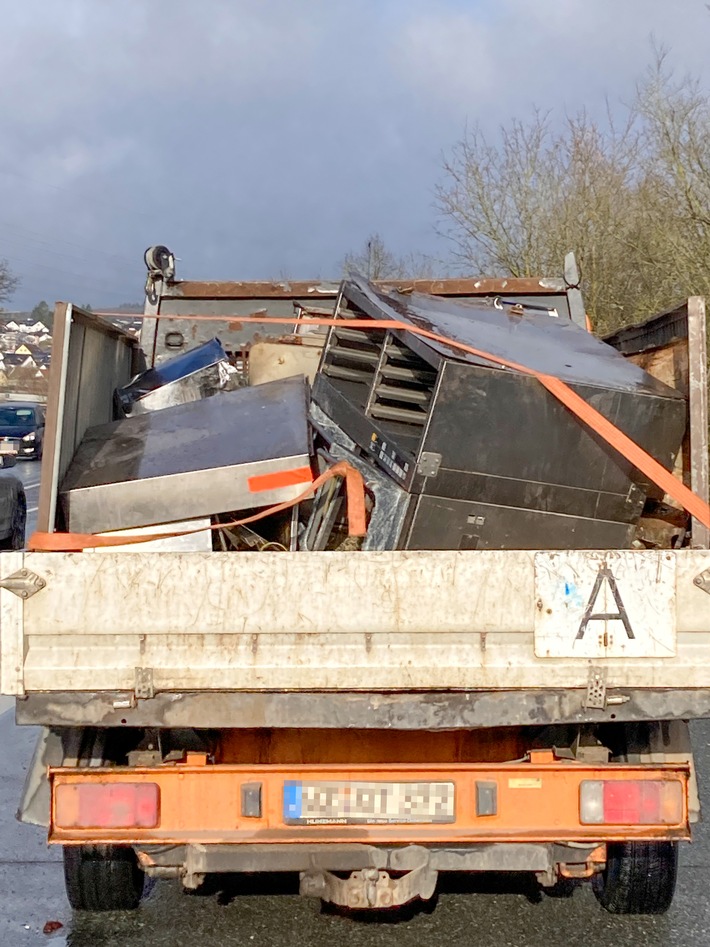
(29, 472)
(487, 910)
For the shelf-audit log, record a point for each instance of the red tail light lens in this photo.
(106, 805)
(631, 802)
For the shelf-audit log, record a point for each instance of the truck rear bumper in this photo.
(419, 710)
(545, 800)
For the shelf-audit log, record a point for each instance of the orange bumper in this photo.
(197, 802)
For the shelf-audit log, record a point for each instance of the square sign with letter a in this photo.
(605, 604)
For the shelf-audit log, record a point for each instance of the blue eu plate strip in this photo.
(293, 799)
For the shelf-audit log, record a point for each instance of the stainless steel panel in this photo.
(189, 460)
(198, 373)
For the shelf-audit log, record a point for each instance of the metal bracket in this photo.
(702, 580)
(429, 463)
(23, 583)
(144, 689)
(596, 689)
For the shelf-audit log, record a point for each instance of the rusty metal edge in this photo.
(435, 710)
(325, 289)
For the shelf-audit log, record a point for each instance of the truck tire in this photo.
(102, 877)
(639, 877)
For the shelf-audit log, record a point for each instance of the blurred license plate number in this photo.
(323, 803)
(9, 447)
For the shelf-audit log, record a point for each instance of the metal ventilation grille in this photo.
(352, 359)
(403, 386)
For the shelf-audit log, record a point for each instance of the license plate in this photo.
(323, 803)
(8, 446)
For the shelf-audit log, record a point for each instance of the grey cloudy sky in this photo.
(267, 139)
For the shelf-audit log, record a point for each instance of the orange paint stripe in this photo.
(281, 478)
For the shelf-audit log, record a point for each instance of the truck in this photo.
(366, 719)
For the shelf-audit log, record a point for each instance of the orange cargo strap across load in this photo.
(354, 495)
(589, 415)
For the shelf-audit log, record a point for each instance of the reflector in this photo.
(107, 805)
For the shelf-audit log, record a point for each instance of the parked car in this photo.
(22, 429)
(13, 505)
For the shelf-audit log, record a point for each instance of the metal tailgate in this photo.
(354, 621)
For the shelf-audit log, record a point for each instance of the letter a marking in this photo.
(605, 575)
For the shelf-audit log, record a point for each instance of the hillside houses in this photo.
(25, 352)
(26, 347)
(38, 329)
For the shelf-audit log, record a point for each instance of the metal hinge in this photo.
(429, 463)
(23, 583)
(143, 687)
(596, 689)
(702, 580)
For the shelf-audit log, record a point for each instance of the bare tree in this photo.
(633, 202)
(8, 281)
(377, 262)
(675, 181)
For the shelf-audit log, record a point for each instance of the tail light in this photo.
(631, 802)
(106, 805)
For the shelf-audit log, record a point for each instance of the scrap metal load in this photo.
(488, 457)
(458, 449)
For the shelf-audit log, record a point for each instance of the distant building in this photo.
(15, 360)
(37, 328)
(29, 348)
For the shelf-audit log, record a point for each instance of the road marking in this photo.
(32, 509)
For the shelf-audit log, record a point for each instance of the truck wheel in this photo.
(639, 877)
(102, 877)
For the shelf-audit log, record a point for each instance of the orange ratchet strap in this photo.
(355, 498)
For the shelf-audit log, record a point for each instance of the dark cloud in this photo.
(260, 139)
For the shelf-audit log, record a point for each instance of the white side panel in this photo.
(12, 643)
(351, 621)
(335, 662)
(260, 594)
(693, 602)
